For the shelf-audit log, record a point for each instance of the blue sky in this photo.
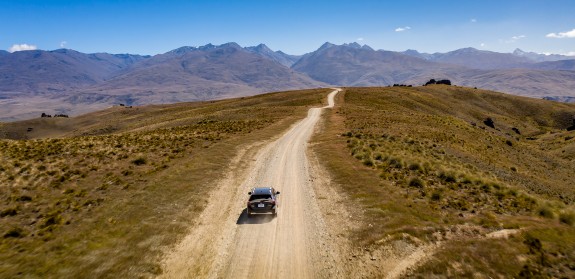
(295, 27)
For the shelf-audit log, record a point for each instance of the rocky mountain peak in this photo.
(519, 52)
(326, 45)
(353, 45)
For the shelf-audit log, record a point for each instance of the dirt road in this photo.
(226, 244)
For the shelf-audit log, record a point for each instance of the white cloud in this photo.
(359, 39)
(515, 39)
(63, 44)
(401, 29)
(473, 20)
(482, 44)
(561, 35)
(21, 47)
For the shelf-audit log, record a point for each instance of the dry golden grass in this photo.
(99, 195)
(426, 164)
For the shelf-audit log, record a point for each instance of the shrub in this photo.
(447, 177)
(436, 196)
(14, 232)
(545, 212)
(139, 161)
(466, 179)
(567, 218)
(500, 195)
(416, 182)
(415, 167)
(395, 163)
(54, 218)
(24, 198)
(489, 122)
(368, 162)
(8, 212)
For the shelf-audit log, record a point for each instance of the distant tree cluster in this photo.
(55, 115)
(442, 81)
(401, 85)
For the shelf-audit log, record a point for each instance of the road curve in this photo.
(226, 244)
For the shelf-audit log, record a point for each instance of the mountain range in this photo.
(70, 82)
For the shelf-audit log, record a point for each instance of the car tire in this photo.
(275, 213)
(249, 214)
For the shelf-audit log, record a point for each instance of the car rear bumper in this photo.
(267, 209)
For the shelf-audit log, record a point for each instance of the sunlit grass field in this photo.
(100, 195)
(424, 164)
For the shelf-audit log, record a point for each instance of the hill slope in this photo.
(419, 170)
(423, 167)
(104, 193)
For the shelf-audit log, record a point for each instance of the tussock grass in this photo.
(426, 164)
(109, 190)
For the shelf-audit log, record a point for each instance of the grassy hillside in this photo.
(426, 167)
(99, 195)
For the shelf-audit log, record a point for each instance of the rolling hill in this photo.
(479, 180)
(71, 201)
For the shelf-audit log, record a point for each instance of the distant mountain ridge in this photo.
(278, 56)
(71, 82)
(38, 71)
(348, 65)
(204, 73)
(509, 59)
(538, 57)
(354, 65)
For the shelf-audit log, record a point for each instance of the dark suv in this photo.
(263, 200)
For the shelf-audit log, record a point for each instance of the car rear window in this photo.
(257, 197)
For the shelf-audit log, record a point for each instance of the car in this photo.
(262, 200)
